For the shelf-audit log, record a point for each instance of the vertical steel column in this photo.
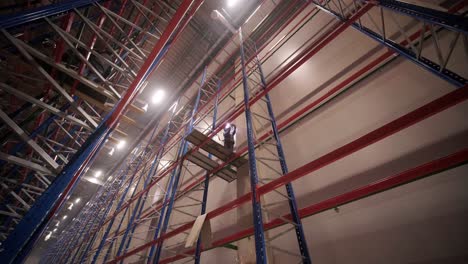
(301, 240)
(207, 175)
(151, 173)
(33, 223)
(154, 166)
(93, 219)
(74, 243)
(135, 210)
(162, 212)
(103, 240)
(177, 173)
(110, 205)
(122, 199)
(256, 206)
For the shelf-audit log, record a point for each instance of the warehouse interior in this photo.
(234, 131)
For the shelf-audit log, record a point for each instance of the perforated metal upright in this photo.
(134, 67)
(175, 177)
(70, 127)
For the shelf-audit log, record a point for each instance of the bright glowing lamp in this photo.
(232, 3)
(158, 96)
(121, 144)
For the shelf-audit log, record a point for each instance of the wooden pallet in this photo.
(196, 138)
(227, 173)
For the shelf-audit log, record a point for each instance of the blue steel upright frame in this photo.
(175, 177)
(34, 221)
(455, 23)
(207, 174)
(124, 195)
(83, 223)
(300, 236)
(137, 208)
(260, 250)
(151, 173)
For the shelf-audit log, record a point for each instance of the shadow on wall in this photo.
(389, 246)
(438, 149)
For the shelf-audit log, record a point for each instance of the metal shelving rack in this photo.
(107, 228)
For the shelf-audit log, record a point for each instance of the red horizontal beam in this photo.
(235, 82)
(419, 172)
(181, 18)
(290, 68)
(234, 115)
(164, 173)
(343, 84)
(424, 112)
(293, 117)
(135, 86)
(438, 105)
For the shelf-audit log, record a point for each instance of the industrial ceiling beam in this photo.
(16, 196)
(84, 60)
(98, 31)
(24, 163)
(31, 225)
(30, 52)
(24, 136)
(37, 13)
(66, 35)
(43, 105)
(57, 87)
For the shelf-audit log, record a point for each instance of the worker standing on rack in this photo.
(229, 137)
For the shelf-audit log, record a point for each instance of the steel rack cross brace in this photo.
(125, 211)
(431, 16)
(207, 176)
(426, 111)
(94, 142)
(155, 182)
(175, 178)
(64, 247)
(314, 52)
(261, 120)
(424, 170)
(151, 173)
(280, 156)
(388, 31)
(146, 155)
(182, 208)
(58, 53)
(122, 239)
(256, 206)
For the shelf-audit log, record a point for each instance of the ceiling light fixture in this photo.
(64, 217)
(77, 200)
(111, 152)
(98, 173)
(158, 96)
(121, 144)
(232, 3)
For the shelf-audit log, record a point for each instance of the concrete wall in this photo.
(422, 222)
